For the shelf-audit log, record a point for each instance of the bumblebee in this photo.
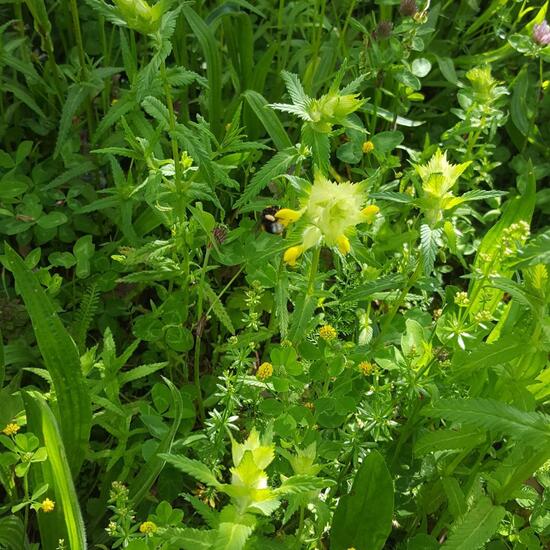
(269, 221)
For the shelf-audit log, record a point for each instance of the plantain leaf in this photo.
(67, 521)
(362, 519)
(74, 411)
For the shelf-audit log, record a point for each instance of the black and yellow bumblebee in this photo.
(270, 224)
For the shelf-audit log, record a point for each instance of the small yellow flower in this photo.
(11, 429)
(343, 244)
(327, 333)
(148, 527)
(309, 405)
(287, 216)
(366, 368)
(292, 254)
(370, 212)
(47, 505)
(367, 147)
(265, 371)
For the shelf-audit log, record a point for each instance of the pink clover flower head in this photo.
(541, 33)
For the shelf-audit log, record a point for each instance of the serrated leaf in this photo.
(194, 468)
(218, 308)
(429, 245)
(366, 290)
(489, 414)
(155, 108)
(76, 95)
(447, 440)
(190, 539)
(274, 168)
(298, 484)
(476, 527)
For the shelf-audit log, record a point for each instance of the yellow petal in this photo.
(292, 254)
(287, 215)
(369, 212)
(343, 244)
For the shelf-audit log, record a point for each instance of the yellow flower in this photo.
(367, 147)
(366, 368)
(370, 212)
(47, 505)
(148, 527)
(327, 333)
(11, 429)
(343, 244)
(265, 371)
(292, 254)
(331, 212)
(287, 216)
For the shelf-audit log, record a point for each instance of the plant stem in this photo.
(313, 270)
(172, 123)
(198, 334)
(387, 321)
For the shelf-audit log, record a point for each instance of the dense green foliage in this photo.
(274, 274)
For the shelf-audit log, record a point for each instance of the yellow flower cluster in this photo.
(331, 212)
(11, 429)
(148, 528)
(47, 505)
(265, 371)
(366, 368)
(327, 333)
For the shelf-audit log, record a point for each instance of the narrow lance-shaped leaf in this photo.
(61, 358)
(57, 474)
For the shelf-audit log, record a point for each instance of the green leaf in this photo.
(302, 484)
(274, 168)
(149, 472)
(476, 527)
(447, 440)
(384, 142)
(194, 468)
(12, 533)
(455, 496)
(217, 307)
(429, 245)
(363, 517)
(190, 539)
(489, 414)
(269, 119)
(61, 359)
(485, 356)
(211, 51)
(76, 96)
(57, 475)
(518, 105)
(52, 220)
(155, 108)
(366, 290)
(421, 67)
(232, 536)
